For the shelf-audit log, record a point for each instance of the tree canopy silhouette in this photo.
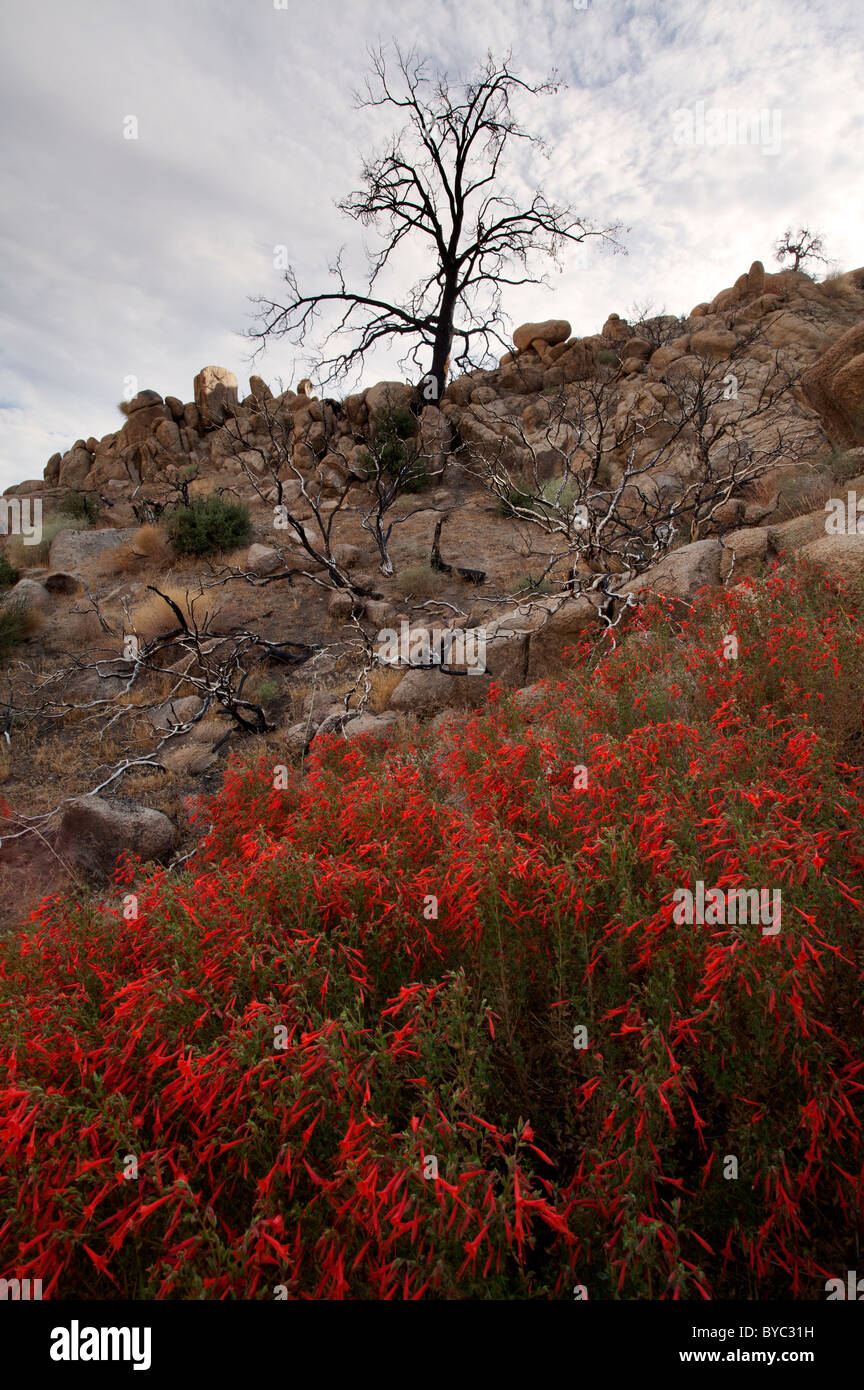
(439, 182)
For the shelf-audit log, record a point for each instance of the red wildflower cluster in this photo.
(338, 1060)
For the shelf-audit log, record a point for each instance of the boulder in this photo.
(72, 549)
(521, 378)
(386, 395)
(617, 329)
(787, 330)
(669, 352)
(687, 366)
(376, 726)
(263, 559)
(143, 401)
(173, 713)
(340, 605)
(834, 386)
(424, 692)
(259, 389)
(577, 363)
(551, 331)
(744, 552)
(713, 342)
(215, 391)
(142, 421)
(636, 347)
(683, 572)
(797, 532)
(560, 628)
(94, 831)
(345, 554)
(841, 556)
(30, 595)
(758, 308)
(74, 466)
(380, 613)
(52, 470)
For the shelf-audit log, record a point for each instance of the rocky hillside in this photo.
(543, 502)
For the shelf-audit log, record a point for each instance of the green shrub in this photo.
(82, 506)
(13, 627)
(395, 450)
(551, 498)
(8, 575)
(418, 580)
(526, 584)
(519, 494)
(605, 357)
(208, 525)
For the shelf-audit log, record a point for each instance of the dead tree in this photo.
(799, 247)
(440, 181)
(614, 475)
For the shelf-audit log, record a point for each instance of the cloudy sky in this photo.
(137, 258)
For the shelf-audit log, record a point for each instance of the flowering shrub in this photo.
(344, 1058)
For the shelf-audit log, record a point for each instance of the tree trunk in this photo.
(443, 341)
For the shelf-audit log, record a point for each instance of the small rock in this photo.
(263, 559)
(173, 713)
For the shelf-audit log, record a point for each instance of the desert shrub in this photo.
(418, 580)
(413, 1049)
(153, 617)
(606, 357)
(21, 556)
(518, 495)
(527, 584)
(209, 525)
(264, 691)
(844, 465)
(13, 626)
(395, 449)
(8, 575)
(83, 507)
(553, 495)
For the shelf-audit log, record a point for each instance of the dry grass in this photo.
(839, 286)
(150, 542)
(23, 556)
(384, 681)
(153, 617)
(148, 549)
(418, 581)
